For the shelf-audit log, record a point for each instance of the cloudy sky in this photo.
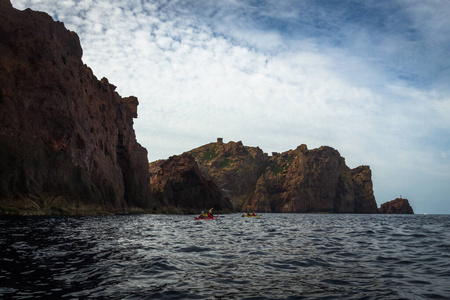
(368, 78)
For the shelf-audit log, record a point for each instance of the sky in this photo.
(369, 78)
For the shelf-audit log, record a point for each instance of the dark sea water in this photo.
(278, 256)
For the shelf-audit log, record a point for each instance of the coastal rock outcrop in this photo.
(181, 187)
(317, 180)
(234, 167)
(67, 142)
(363, 188)
(396, 206)
(294, 181)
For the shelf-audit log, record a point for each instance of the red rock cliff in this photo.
(305, 180)
(396, 206)
(363, 188)
(299, 180)
(67, 143)
(234, 167)
(179, 184)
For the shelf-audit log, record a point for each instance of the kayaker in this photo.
(202, 215)
(248, 214)
(210, 215)
(254, 214)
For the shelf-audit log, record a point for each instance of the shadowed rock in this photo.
(67, 142)
(299, 180)
(234, 167)
(181, 187)
(396, 206)
(363, 188)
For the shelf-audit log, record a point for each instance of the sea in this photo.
(276, 256)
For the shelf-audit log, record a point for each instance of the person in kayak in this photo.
(210, 215)
(203, 215)
(253, 214)
(249, 214)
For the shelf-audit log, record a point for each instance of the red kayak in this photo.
(212, 218)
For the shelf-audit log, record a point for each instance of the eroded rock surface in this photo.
(299, 180)
(67, 142)
(234, 167)
(181, 187)
(396, 206)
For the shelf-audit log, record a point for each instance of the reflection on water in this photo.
(275, 256)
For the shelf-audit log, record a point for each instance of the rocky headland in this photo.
(295, 181)
(67, 143)
(234, 167)
(396, 206)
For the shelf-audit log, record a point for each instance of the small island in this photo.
(396, 206)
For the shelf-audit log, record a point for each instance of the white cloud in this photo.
(202, 72)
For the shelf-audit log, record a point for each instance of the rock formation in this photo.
(67, 143)
(234, 167)
(181, 187)
(299, 180)
(396, 206)
(363, 188)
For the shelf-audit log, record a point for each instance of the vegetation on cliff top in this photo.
(234, 167)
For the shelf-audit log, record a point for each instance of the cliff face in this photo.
(363, 188)
(67, 142)
(180, 186)
(299, 180)
(315, 180)
(234, 167)
(396, 206)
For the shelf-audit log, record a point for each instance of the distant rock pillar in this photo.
(220, 141)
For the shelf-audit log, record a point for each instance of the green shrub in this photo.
(210, 154)
(225, 163)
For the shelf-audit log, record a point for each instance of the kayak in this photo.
(213, 218)
(247, 216)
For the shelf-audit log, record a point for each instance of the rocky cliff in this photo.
(67, 143)
(299, 180)
(396, 206)
(181, 187)
(363, 189)
(234, 167)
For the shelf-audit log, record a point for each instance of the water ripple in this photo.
(277, 256)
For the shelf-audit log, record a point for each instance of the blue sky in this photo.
(368, 78)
